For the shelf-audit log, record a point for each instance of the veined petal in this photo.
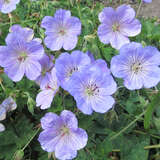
(118, 64)
(70, 42)
(133, 82)
(62, 15)
(131, 29)
(107, 15)
(15, 71)
(54, 42)
(35, 50)
(102, 104)
(49, 139)
(74, 140)
(83, 106)
(104, 33)
(65, 153)
(32, 69)
(51, 120)
(48, 22)
(125, 13)
(118, 40)
(69, 119)
(27, 33)
(153, 77)
(44, 98)
(73, 25)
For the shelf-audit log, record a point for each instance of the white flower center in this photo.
(64, 131)
(7, 1)
(136, 67)
(115, 27)
(62, 31)
(91, 90)
(71, 71)
(43, 72)
(22, 57)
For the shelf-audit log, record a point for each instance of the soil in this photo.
(148, 10)
(151, 9)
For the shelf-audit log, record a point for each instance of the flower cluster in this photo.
(88, 80)
(7, 105)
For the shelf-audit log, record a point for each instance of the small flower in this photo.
(62, 135)
(92, 89)
(61, 30)
(45, 97)
(138, 66)
(117, 25)
(68, 64)
(2, 127)
(7, 105)
(20, 57)
(7, 6)
(147, 1)
(47, 65)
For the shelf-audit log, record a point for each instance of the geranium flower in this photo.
(138, 66)
(62, 135)
(7, 105)
(62, 30)
(20, 56)
(92, 88)
(117, 25)
(45, 97)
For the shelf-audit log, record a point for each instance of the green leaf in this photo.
(132, 147)
(31, 103)
(104, 148)
(150, 109)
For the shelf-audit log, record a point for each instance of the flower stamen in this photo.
(136, 67)
(22, 57)
(115, 27)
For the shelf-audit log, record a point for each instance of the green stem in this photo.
(139, 8)
(144, 133)
(152, 146)
(4, 24)
(129, 125)
(2, 86)
(14, 156)
(31, 139)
